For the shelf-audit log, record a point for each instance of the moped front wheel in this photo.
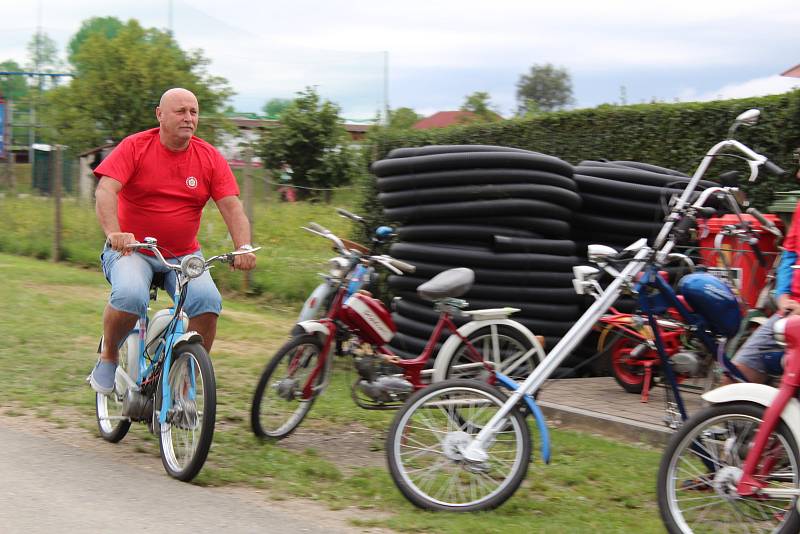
(428, 435)
(702, 466)
(185, 437)
(111, 421)
(281, 400)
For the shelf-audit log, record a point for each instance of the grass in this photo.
(50, 325)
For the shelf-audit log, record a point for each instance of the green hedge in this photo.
(670, 135)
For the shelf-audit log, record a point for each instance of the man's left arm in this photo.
(239, 228)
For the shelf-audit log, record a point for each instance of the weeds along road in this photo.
(51, 486)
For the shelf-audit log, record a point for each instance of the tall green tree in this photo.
(403, 118)
(312, 141)
(275, 107)
(108, 26)
(12, 87)
(544, 88)
(479, 104)
(43, 53)
(119, 81)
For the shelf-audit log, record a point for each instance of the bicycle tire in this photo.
(460, 423)
(266, 429)
(185, 411)
(716, 425)
(113, 433)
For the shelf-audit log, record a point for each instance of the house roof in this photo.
(794, 72)
(443, 119)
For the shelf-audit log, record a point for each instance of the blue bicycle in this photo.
(165, 377)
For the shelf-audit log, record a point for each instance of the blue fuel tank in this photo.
(714, 300)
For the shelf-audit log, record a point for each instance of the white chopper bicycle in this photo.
(462, 445)
(165, 377)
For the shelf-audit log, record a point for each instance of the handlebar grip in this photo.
(769, 225)
(403, 266)
(318, 228)
(344, 213)
(773, 169)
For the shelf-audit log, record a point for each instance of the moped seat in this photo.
(450, 283)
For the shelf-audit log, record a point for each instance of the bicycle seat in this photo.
(450, 283)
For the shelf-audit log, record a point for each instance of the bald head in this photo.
(177, 115)
(175, 93)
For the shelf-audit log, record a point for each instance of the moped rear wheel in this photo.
(185, 438)
(280, 403)
(111, 422)
(427, 437)
(506, 348)
(629, 373)
(702, 465)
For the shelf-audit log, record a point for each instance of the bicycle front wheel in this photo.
(702, 466)
(427, 437)
(185, 438)
(506, 348)
(111, 421)
(279, 403)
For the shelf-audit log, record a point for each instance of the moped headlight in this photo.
(338, 267)
(193, 266)
(779, 331)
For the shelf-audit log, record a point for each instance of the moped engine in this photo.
(378, 385)
(137, 406)
(687, 363)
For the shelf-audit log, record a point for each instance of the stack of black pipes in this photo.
(505, 213)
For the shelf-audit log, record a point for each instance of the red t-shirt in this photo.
(164, 192)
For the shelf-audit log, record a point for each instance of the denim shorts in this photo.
(130, 278)
(761, 352)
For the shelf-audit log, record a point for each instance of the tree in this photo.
(43, 53)
(12, 87)
(403, 118)
(478, 103)
(119, 81)
(548, 86)
(108, 26)
(275, 107)
(311, 140)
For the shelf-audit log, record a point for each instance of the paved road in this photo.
(48, 486)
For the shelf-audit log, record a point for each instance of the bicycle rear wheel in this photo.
(278, 403)
(111, 422)
(185, 438)
(425, 443)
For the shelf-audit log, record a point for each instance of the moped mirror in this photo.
(747, 118)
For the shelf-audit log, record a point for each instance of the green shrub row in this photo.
(671, 135)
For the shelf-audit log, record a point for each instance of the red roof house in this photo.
(444, 119)
(794, 72)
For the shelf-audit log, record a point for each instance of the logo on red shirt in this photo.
(191, 182)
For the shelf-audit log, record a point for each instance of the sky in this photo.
(430, 54)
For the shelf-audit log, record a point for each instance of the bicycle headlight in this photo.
(338, 267)
(193, 266)
(779, 331)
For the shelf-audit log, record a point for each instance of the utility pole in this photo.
(386, 87)
(58, 178)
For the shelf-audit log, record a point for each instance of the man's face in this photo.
(178, 116)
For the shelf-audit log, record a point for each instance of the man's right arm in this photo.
(106, 208)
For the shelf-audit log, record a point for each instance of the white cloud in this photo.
(770, 85)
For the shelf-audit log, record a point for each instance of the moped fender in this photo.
(187, 337)
(314, 327)
(317, 297)
(757, 394)
(452, 342)
(535, 410)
